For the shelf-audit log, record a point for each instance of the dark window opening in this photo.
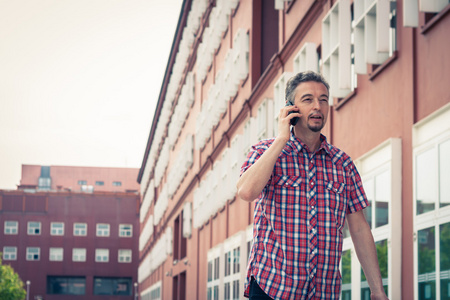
(63, 285)
(113, 286)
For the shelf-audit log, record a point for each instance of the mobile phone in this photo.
(293, 120)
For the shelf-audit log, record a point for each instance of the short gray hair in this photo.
(306, 76)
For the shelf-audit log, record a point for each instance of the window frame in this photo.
(11, 230)
(58, 254)
(236, 264)
(9, 255)
(29, 254)
(213, 283)
(385, 156)
(30, 228)
(102, 232)
(78, 229)
(124, 232)
(124, 255)
(56, 231)
(103, 253)
(429, 133)
(75, 255)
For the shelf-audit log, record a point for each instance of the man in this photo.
(305, 189)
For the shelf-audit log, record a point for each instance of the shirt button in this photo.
(313, 230)
(311, 183)
(312, 206)
(311, 275)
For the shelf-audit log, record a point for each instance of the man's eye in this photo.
(326, 100)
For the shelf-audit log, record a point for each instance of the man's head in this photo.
(309, 91)
(306, 76)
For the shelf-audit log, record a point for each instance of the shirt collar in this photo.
(297, 145)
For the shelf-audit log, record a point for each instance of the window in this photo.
(57, 228)
(125, 230)
(79, 254)
(101, 255)
(430, 8)
(279, 99)
(33, 253)
(346, 274)
(235, 248)
(154, 292)
(374, 33)
(336, 49)
(380, 171)
(65, 285)
(9, 253)
(99, 183)
(377, 187)
(431, 141)
(179, 286)
(117, 183)
(82, 182)
(102, 229)
(34, 228)
(11, 227)
(124, 255)
(279, 4)
(179, 241)
(306, 59)
(56, 254)
(213, 273)
(113, 286)
(79, 229)
(232, 275)
(262, 121)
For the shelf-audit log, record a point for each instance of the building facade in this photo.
(71, 244)
(388, 66)
(72, 178)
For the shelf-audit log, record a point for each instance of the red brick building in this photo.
(70, 178)
(75, 243)
(388, 66)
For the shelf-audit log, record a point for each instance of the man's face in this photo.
(312, 100)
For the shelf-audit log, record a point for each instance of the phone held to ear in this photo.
(293, 120)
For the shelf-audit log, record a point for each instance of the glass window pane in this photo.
(426, 193)
(370, 193)
(66, 285)
(444, 243)
(383, 198)
(444, 174)
(346, 275)
(427, 263)
(382, 254)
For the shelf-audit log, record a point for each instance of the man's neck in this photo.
(310, 138)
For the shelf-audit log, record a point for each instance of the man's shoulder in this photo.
(263, 144)
(338, 156)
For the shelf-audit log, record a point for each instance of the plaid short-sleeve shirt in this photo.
(298, 220)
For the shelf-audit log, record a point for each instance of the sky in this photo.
(79, 81)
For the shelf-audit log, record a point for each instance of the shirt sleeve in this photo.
(253, 155)
(357, 196)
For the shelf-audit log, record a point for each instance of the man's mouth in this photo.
(316, 117)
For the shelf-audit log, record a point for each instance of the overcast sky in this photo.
(79, 80)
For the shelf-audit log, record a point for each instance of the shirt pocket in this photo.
(336, 198)
(287, 189)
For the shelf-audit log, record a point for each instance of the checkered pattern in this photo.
(298, 220)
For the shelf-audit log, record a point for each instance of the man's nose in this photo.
(316, 104)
